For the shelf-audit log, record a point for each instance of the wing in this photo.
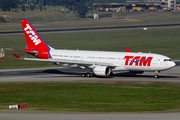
(81, 63)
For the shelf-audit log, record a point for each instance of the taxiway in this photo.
(61, 74)
(73, 75)
(53, 115)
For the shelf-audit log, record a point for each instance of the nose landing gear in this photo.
(157, 74)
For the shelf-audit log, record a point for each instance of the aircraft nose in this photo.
(173, 64)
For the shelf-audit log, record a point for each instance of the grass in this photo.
(52, 13)
(93, 97)
(90, 97)
(148, 19)
(158, 40)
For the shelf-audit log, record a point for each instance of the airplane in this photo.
(98, 63)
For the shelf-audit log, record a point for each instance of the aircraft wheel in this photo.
(88, 75)
(91, 74)
(83, 75)
(156, 76)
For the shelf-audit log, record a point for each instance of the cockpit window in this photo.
(167, 60)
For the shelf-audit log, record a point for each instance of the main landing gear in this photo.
(86, 75)
(157, 74)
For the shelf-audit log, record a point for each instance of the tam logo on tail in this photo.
(32, 34)
(35, 44)
(33, 38)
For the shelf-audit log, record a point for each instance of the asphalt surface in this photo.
(95, 29)
(61, 74)
(51, 115)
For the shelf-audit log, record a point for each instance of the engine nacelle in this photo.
(137, 72)
(102, 70)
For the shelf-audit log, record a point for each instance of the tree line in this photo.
(79, 6)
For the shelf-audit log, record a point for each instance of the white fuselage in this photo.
(98, 63)
(130, 61)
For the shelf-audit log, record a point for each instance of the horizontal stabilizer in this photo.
(25, 50)
(17, 56)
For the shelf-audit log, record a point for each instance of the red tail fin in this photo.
(35, 41)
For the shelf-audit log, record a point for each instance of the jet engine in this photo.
(102, 70)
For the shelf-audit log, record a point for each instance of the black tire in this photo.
(83, 75)
(156, 76)
(88, 75)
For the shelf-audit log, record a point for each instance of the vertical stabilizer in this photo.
(33, 39)
(35, 44)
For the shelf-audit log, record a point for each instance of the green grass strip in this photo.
(90, 97)
(163, 41)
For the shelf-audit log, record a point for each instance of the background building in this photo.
(159, 4)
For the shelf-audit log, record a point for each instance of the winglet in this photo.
(17, 56)
(128, 50)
